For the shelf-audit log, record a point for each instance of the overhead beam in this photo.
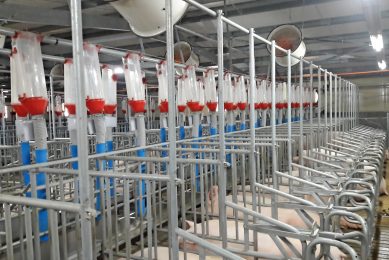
(44, 16)
(253, 7)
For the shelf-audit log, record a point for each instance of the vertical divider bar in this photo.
(353, 100)
(289, 117)
(301, 90)
(349, 106)
(28, 223)
(84, 188)
(53, 222)
(222, 174)
(274, 209)
(345, 104)
(252, 117)
(172, 191)
(252, 128)
(335, 102)
(331, 126)
(325, 107)
(347, 97)
(51, 113)
(8, 231)
(319, 107)
(338, 106)
(310, 108)
(355, 104)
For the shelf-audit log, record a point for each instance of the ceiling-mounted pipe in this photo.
(356, 73)
(104, 50)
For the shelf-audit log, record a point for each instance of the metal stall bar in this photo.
(87, 239)
(222, 170)
(172, 191)
(273, 130)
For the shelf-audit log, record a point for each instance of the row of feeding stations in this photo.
(244, 194)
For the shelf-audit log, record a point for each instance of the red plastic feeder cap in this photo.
(194, 106)
(138, 106)
(257, 106)
(242, 106)
(20, 110)
(124, 111)
(34, 105)
(58, 113)
(71, 108)
(95, 106)
(109, 109)
(262, 106)
(279, 105)
(229, 106)
(164, 106)
(306, 104)
(269, 105)
(181, 108)
(316, 104)
(212, 106)
(201, 107)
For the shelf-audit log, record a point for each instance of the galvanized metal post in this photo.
(340, 104)
(331, 126)
(335, 102)
(319, 104)
(310, 107)
(325, 107)
(84, 188)
(222, 173)
(52, 114)
(301, 133)
(173, 218)
(289, 115)
(252, 117)
(274, 211)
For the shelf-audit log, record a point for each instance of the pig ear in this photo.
(187, 225)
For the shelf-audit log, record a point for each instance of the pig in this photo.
(265, 244)
(163, 253)
(288, 216)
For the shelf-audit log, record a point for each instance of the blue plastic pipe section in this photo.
(141, 141)
(109, 148)
(74, 154)
(182, 132)
(162, 137)
(231, 127)
(26, 160)
(196, 132)
(100, 148)
(141, 203)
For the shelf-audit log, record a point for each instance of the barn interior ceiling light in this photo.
(377, 42)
